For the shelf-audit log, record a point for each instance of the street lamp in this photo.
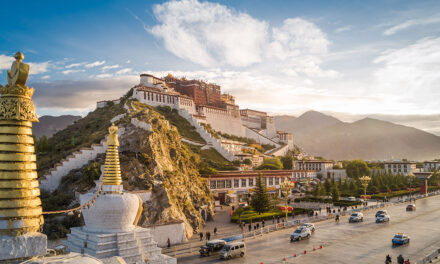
(365, 180)
(411, 189)
(286, 188)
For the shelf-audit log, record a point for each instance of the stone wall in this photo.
(175, 232)
(261, 139)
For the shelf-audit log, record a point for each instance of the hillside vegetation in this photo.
(82, 133)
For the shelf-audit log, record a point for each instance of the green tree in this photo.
(335, 193)
(271, 164)
(287, 162)
(247, 162)
(346, 185)
(260, 199)
(327, 186)
(357, 168)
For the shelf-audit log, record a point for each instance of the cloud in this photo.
(73, 65)
(209, 33)
(411, 23)
(109, 67)
(102, 76)
(343, 29)
(35, 67)
(45, 77)
(66, 72)
(124, 71)
(81, 94)
(94, 64)
(408, 77)
(5, 62)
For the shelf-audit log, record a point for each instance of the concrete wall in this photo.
(249, 133)
(175, 232)
(223, 121)
(207, 136)
(280, 151)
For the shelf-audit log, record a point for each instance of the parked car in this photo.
(232, 250)
(310, 226)
(356, 217)
(351, 198)
(382, 218)
(212, 247)
(300, 233)
(380, 212)
(411, 207)
(400, 239)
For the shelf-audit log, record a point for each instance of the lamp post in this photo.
(286, 188)
(365, 180)
(411, 189)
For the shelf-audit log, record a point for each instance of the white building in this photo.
(431, 165)
(400, 167)
(322, 166)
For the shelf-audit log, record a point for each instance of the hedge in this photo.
(247, 214)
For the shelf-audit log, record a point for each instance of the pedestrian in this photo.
(278, 220)
(208, 235)
(258, 225)
(233, 208)
(242, 228)
(293, 215)
(400, 259)
(232, 212)
(407, 262)
(319, 210)
(273, 219)
(316, 214)
(250, 227)
(215, 231)
(168, 243)
(262, 223)
(255, 227)
(201, 236)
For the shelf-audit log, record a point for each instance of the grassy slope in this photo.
(83, 133)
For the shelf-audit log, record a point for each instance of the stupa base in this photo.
(135, 246)
(24, 246)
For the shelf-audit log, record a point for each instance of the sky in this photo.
(351, 59)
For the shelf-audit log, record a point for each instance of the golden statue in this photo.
(112, 169)
(20, 204)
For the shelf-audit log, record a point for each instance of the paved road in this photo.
(349, 243)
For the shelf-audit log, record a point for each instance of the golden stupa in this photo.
(20, 204)
(112, 169)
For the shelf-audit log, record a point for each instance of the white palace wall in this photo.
(175, 232)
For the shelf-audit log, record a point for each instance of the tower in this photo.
(20, 204)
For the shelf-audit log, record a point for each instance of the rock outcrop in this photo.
(158, 161)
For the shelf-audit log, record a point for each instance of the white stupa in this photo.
(110, 223)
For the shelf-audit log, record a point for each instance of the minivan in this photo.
(233, 249)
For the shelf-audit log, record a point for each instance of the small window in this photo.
(236, 247)
(241, 246)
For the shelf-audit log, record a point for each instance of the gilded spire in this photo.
(20, 204)
(112, 170)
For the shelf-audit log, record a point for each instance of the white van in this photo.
(233, 249)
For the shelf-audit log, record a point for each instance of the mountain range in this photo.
(49, 125)
(371, 139)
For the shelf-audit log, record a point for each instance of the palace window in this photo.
(251, 182)
(213, 184)
(221, 184)
(236, 183)
(228, 183)
(243, 182)
(271, 181)
(277, 181)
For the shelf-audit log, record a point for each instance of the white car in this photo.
(351, 198)
(300, 233)
(310, 226)
(356, 217)
(382, 218)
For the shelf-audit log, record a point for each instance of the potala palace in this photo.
(203, 103)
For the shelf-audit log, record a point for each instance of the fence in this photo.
(194, 247)
(430, 258)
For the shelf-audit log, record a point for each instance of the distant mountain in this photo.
(49, 125)
(324, 135)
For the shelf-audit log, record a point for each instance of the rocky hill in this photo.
(154, 160)
(49, 125)
(323, 135)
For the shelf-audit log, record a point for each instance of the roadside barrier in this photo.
(193, 247)
(430, 257)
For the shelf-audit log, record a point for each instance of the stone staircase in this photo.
(51, 180)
